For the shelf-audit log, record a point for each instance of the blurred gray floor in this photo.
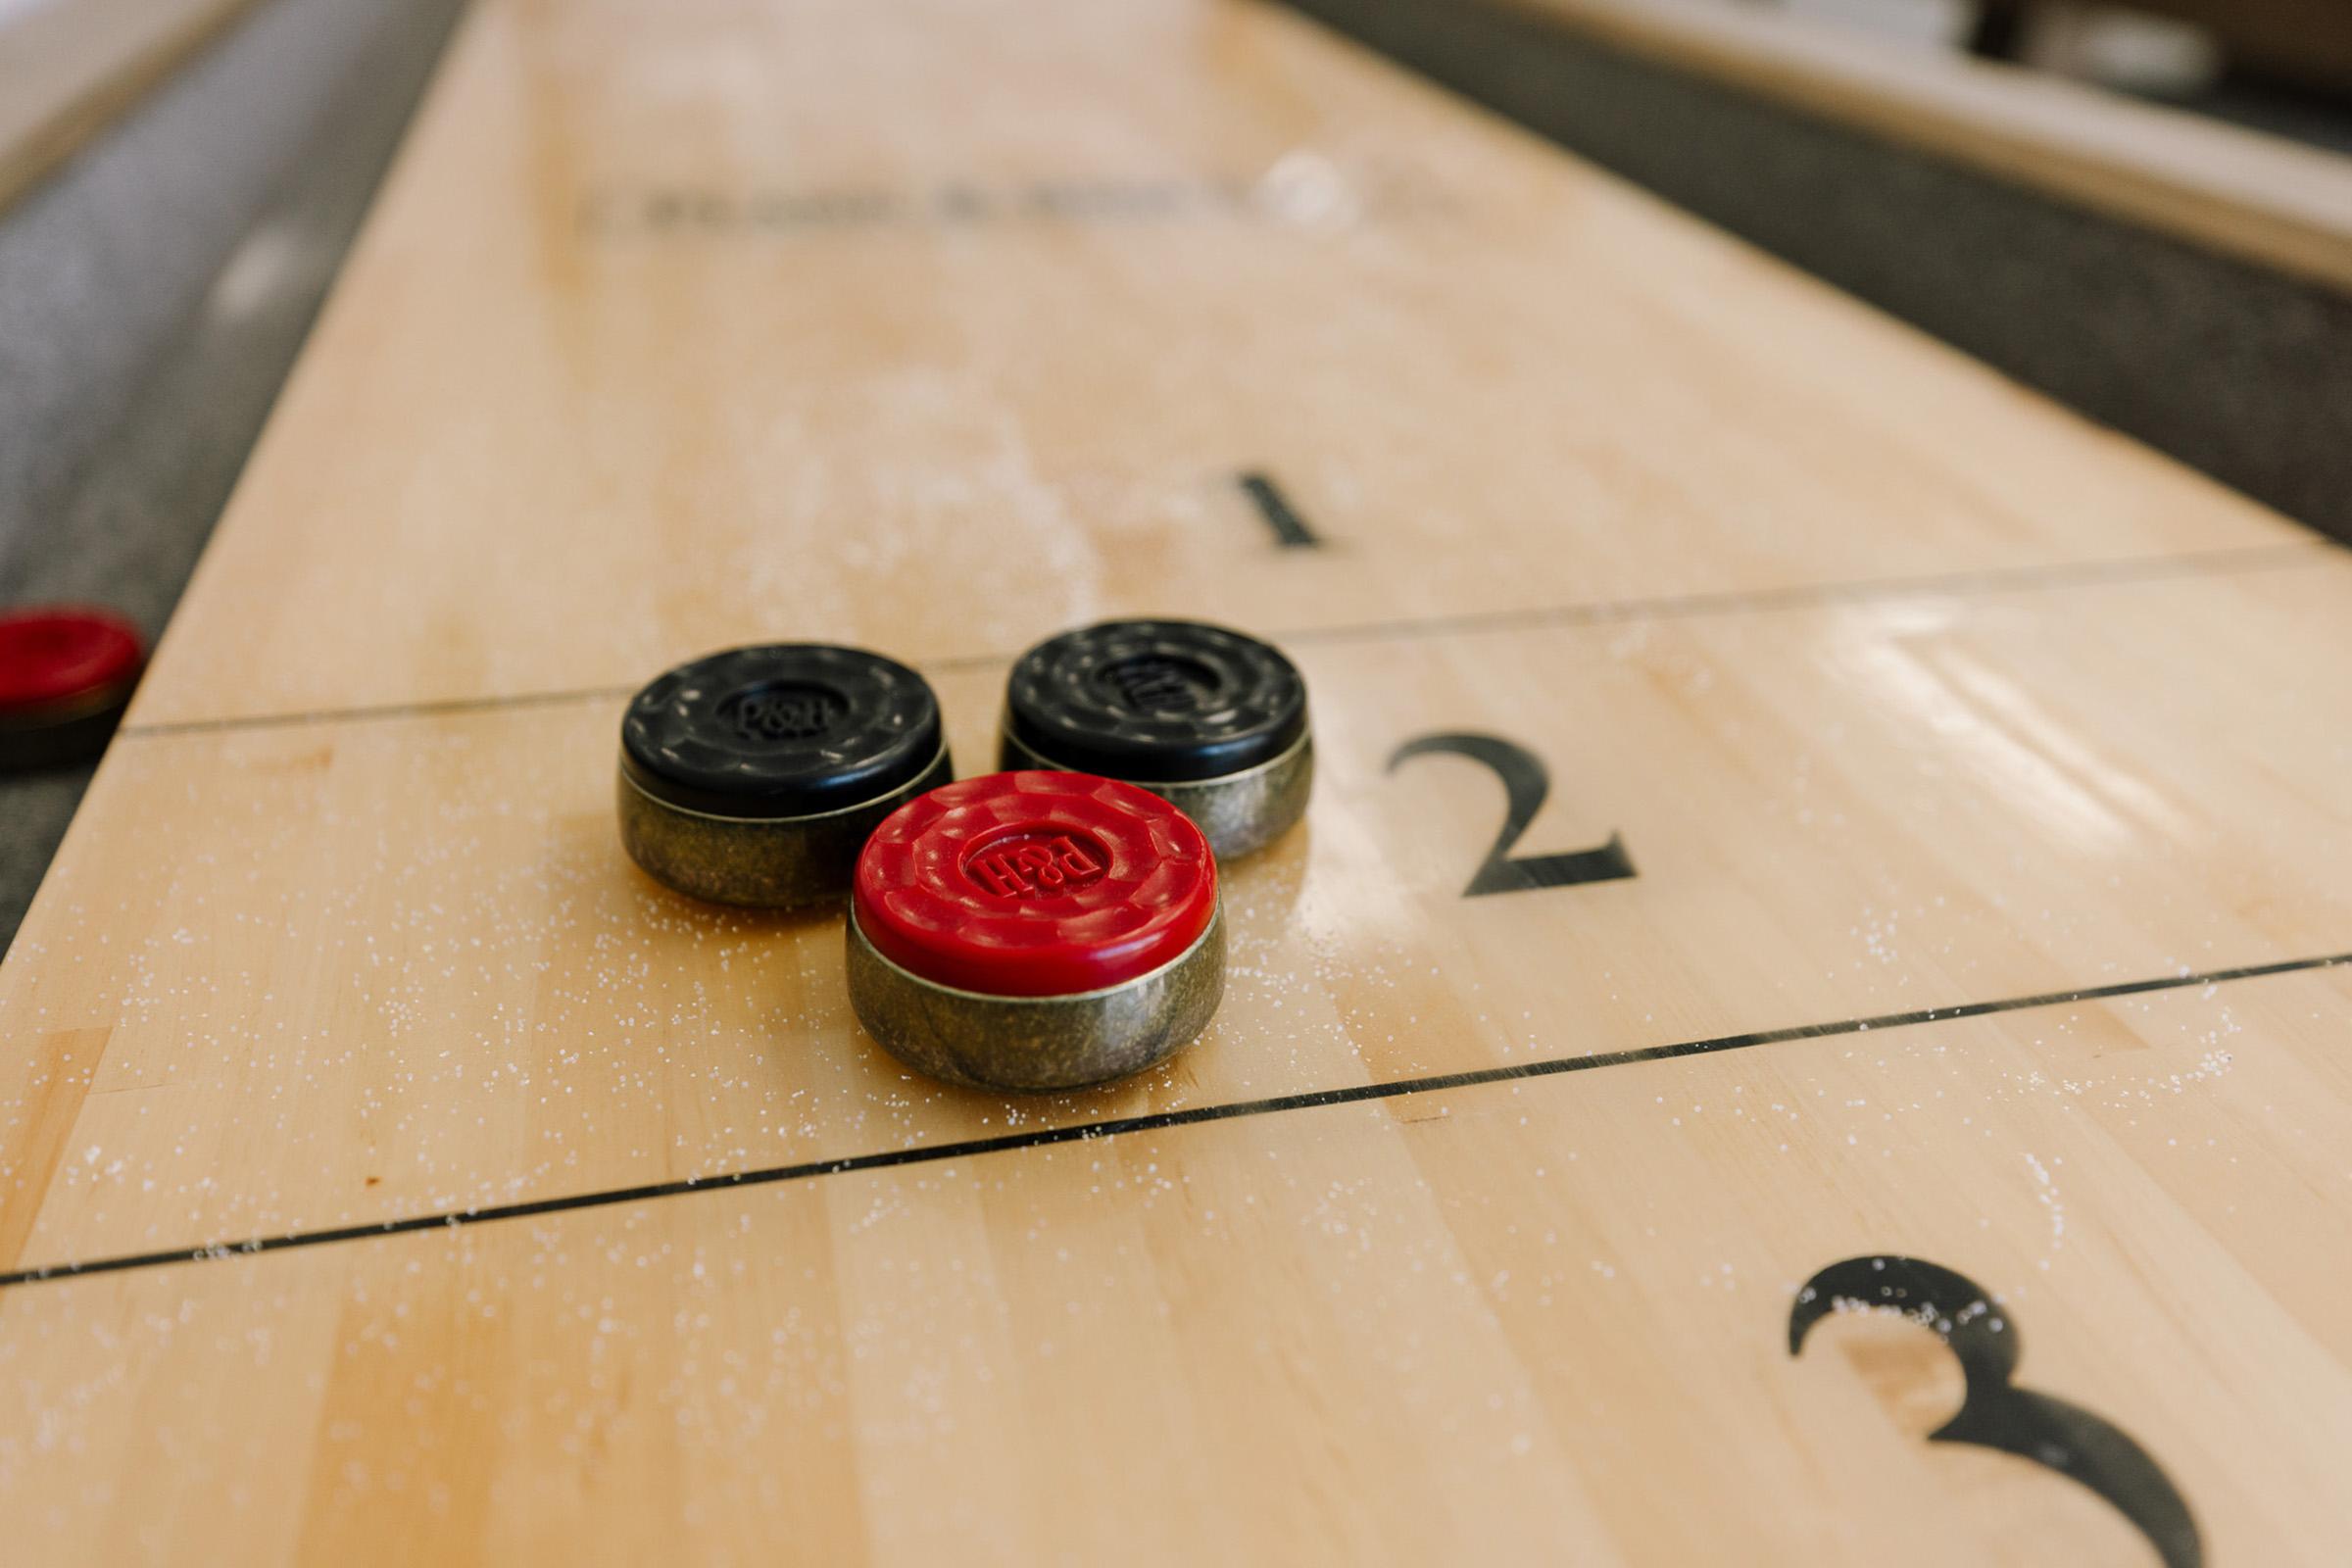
(153, 295)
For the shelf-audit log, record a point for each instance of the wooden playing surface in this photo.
(389, 1172)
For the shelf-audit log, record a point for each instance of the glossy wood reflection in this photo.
(1786, 799)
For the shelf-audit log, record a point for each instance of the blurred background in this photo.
(2283, 66)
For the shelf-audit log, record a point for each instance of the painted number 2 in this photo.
(1524, 785)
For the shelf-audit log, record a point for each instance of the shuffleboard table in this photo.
(1808, 1020)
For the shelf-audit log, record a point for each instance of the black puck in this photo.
(1207, 718)
(751, 776)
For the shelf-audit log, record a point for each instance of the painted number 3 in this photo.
(1524, 785)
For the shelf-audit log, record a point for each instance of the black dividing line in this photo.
(1668, 606)
(459, 706)
(1290, 529)
(1800, 596)
(1158, 1122)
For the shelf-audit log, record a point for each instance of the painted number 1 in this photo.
(1524, 785)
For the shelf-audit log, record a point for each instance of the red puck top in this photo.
(61, 655)
(1035, 884)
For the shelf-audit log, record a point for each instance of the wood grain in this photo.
(1531, 1325)
(734, 427)
(1984, 776)
(1867, 808)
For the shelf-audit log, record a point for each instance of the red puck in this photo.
(1035, 884)
(64, 658)
(65, 675)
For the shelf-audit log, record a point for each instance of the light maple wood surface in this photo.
(390, 1173)
(2244, 193)
(1283, 258)
(68, 67)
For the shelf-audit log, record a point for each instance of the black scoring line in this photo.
(1158, 1122)
(1669, 606)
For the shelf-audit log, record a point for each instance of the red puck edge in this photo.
(1035, 884)
(64, 656)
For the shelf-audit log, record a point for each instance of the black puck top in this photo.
(789, 729)
(1156, 702)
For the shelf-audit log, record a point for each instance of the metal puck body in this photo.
(1036, 931)
(67, 674)
(1239, 815)
(1211, 720)
(753, 776)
